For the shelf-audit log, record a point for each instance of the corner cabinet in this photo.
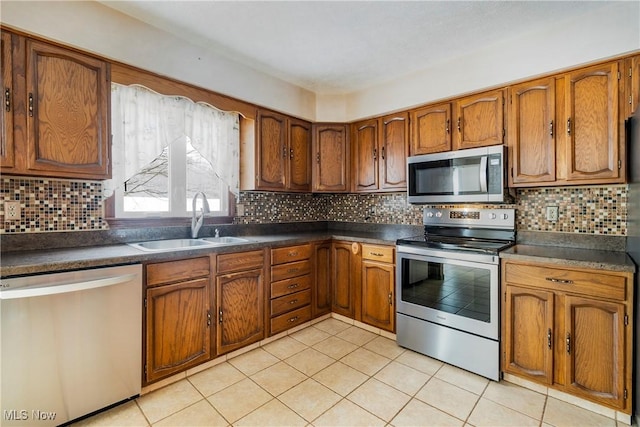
(330, 162)
(570, 328)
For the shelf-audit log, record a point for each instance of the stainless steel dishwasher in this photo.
(70, 343)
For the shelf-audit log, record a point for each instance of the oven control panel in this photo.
(470, 217)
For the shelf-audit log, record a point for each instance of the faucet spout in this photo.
(196, 223)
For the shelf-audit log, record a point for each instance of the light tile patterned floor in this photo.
(335, 374)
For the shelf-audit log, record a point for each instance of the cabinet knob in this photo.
(293, 319)
(293, 301)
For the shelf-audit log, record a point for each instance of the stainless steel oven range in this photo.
(447, 287)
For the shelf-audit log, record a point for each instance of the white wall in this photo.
(613, 30)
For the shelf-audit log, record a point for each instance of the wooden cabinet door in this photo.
(532, 132)
(240, 309)
(595, 348)
(480, 120)
(343, 280)
(67, 113)
(393, 152)
(299, 164)
(431, 129)
(178, 327)
(272, 153)
(377, 294)
(6, 119)
(331, 150)
(321, 297)
(528, 333)
(632, 81)
(365, 155)
(591, 127)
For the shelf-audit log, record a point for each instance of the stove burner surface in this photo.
(457, 244)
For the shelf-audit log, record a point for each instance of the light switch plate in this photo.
(11, 211)
(552, 213)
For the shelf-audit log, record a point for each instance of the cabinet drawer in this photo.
(287, 286)
(227, 263)
(291, 319)
(290, 253)
(291, 269)
(174, 271)
(290, 302)
(378, 253)
(570, 281)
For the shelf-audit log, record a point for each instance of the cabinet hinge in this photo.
(619, 75)
(626, 320)
(630, 72)
(145, 303)
(625, 394)
(145, 369)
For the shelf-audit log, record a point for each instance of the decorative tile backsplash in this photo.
(62, 205)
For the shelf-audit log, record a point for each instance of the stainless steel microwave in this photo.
(465, 176)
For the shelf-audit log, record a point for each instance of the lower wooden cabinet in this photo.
(378, 282)
(569, 328)
(321, 295)
(345, 277)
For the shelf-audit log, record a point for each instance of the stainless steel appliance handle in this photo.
(483, 174)
(60, 289)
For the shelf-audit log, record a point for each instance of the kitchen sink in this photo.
(171, 245)
(225, 240)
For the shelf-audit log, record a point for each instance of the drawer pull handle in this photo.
(295, 285)
(292, 270)
(293, 319)
(562, 281)
(293, 301)
(549, 338)
(376, 254)
(293, 253)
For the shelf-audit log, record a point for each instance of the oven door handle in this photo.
(483, 174)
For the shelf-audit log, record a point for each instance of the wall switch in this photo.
(11, 211)
(552, 213)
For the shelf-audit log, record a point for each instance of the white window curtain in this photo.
(144, 123)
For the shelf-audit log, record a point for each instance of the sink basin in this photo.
(171, 245)
(225, 240)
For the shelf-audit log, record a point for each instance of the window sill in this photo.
(120, 223)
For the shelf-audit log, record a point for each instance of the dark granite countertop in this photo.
(574, 257)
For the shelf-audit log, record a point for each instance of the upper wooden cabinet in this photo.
(431, 129)
(631, 74)
(60, 106)
(6, 119)
(479, 120)
(282, 156)
(330, 158)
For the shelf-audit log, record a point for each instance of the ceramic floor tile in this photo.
(309, 399)
(310, 336)
(558, 413)
(448, 398)
(125, 415)
(278, 378)
(284, 347)
(310, 361)
(490, 414)
(216, 378)
(200, 414)
(356, 335)
(240, 399)
(347, 414)
(332, 326)
(402, 377)
(463, 379)
(365, 361)
(417, 412)
(420, 362)
(517, 398)
(335, 347)
(380, 399)
(253, 361)
(341, 378)
(384, 347)
(274, 413)
(168, 400)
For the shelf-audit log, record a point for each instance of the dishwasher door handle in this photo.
(39, 291)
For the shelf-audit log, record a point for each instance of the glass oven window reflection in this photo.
(460, 290)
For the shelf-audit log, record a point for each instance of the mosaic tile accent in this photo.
(52, 205)
(265, 207)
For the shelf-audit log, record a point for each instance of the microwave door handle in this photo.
(483, 174)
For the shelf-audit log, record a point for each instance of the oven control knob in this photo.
(438, 214)
(504, 216)
(430, 214)
(492, 216)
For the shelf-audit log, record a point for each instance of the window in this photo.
(166, 149)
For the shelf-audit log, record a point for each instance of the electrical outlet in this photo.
(552, 213)
(239, 209)
(11, 211)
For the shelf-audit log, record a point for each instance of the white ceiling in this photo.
(339, 47)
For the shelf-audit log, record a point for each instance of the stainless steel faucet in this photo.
(196, 224)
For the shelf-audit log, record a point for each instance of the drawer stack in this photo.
(290, 296)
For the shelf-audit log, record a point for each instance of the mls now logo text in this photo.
(24, 415)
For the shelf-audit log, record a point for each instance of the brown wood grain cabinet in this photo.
(479, 120)
(330, 159)
(283, 154)
(178, 327)
(378, 286)
(345, 277)
(570, 328)
(321, 297)
(365, 155)
(633, 84)
(431, 129)
(240, 301)
(6, 124)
